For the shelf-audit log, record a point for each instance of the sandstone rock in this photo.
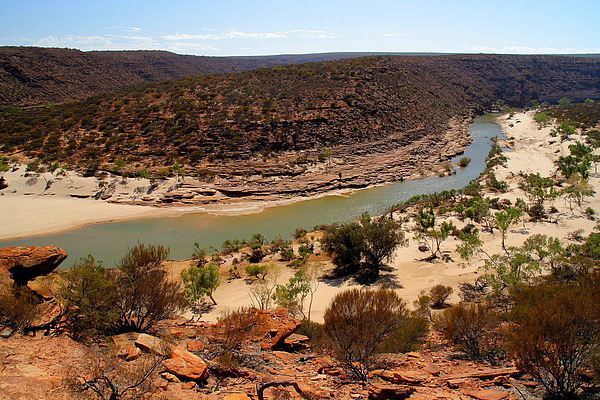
(278, 327)
(153, 344)
(488, 394)
(186, 365)
(380, 391)
(22, 264)
(195, 346)
(295, 341)
(237, 396)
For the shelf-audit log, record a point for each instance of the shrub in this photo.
(17, 307)
(464, 162)
(238, 326)
(407, 337)
(439, 294)
(556, 336)
(145, 292)
(201, 281)
(359, 321)
(344, 244)
(89, 296)
(470, 327)
(258, 271)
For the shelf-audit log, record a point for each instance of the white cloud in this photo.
(235, 34)
(396, 34)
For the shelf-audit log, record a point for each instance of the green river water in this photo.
(109, 241)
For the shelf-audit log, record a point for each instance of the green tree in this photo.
(542, 119)
(380, 236)
(505, 219)
(428, 234)
(564, 101)
(200, 281)
(344, 243)
(89, 297)
(293, 294)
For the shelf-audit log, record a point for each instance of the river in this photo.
(109, 241)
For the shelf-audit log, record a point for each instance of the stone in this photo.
(195, 346)
(237, 396)
(380, 391)
(488, 394)
(186, 365)
(22, 264)
(295, 341)
(488, 373)
(279, 326)
(153, 344)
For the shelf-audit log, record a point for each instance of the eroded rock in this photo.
(22, 264)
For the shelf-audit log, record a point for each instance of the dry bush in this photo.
(439, 294)
(359, 321)
(557, 335)
(145, 292)
(18, 307)
(472, 328)
(239, 326)
(408, 337)
(102, 375)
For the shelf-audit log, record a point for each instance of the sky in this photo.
(267, 27)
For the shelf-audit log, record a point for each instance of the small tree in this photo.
(345, 244)
(381, 236)
(359, 321)
(293, 294)
(201, 281)
(505, 219)
(428, 234)
(89, 296)
(145, 292)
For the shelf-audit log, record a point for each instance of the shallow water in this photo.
(109, 241)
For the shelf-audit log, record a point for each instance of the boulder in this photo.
(488, 394)
(278, 327)
(22, 264)
(380, 391)
(154, 345)
(186, 365)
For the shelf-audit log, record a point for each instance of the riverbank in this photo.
(529, 150)
(42, 203)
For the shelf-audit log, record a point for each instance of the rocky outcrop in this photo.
(22, 264)
(186, 365)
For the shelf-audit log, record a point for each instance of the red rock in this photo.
(189, 385)
(153, 344)
(432, 369)
(237, 396)
(186, 365)
(488, 394)
(22, 264)
(410, 377)
(132, 353)
(379, 391)
(195, 346)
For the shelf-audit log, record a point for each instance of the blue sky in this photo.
(237, 27)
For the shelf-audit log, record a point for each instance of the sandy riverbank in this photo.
(531, 150)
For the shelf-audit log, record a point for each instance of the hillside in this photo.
(380, 118)
(31, 76)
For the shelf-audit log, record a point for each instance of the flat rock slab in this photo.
(488, 394)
